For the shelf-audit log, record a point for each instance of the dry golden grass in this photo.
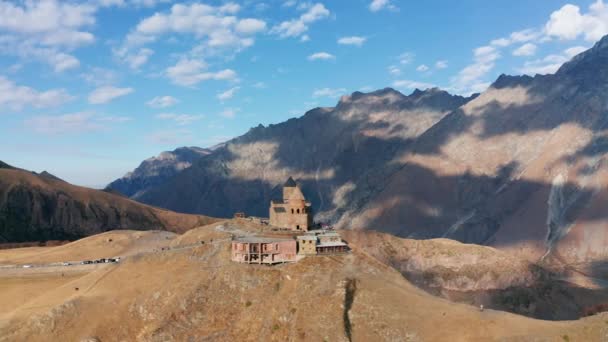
(198, 293)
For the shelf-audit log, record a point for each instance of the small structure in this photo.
(261, 250)
(292, 212)
(307, 244)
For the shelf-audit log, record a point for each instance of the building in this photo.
(261, 250)
(321, 243)
(307, 244)
(292, 212)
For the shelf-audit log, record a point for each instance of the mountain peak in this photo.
(589, 63)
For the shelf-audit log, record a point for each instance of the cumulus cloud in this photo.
(546, 65)
(573, 51)
(189, 72)
(517, 37)
(46, 30)
(228, 94)
(377, 5)
(106, 94)
(569, 23)
(179, 119)
(298, 26)
(15, 97)
(321, 56)
(81, 122)
(328, 92)
(527, 49)
(162, 102)
(216, 28)
(352, 40)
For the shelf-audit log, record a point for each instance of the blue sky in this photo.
(89, 89)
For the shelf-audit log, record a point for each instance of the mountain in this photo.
(156, 170)
(172, 288)
(522, 166)
(40, 207)
(327, 150)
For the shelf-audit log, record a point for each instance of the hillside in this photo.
(197, 293)
(42, 207)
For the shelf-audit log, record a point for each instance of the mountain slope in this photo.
(41, 207)
(522, 167)
(157, 170)
(327, 150)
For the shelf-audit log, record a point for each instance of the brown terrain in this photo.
(174, 288)
(40, 207)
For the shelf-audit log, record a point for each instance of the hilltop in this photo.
(197, 292)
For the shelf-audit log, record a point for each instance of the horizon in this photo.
(88, 101)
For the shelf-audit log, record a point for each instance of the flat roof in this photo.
(332, 244)
(307, 237)
(260, 239)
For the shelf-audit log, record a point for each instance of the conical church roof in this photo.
(290, 183)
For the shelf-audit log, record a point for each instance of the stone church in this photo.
(293, 212)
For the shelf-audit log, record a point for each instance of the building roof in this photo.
(307, 237)
(332, 244)
(290, 183)
(260, 239)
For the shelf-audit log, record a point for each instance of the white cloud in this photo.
(353, 40)
(179, 119)
(229, 113)
(569, 23)
(442, 64)
(259, 85)
(134, 59)
(573, 51)
(250, 26)
(409, 84)
(328, 92)
(393, 70)
(527, 49)
(546, 65)
(71, 123)
(162, 102)
(377, 5)
(217, 29)
(106, 94)
(188, 72)
(469, 79)
(522, 36)
(422, 68)
(16, 97)
(298, 26)
(99, 76)
(228, 94)
(172, 136)
(305, 38)
(321, 56)
(46, 30)
(406, 58)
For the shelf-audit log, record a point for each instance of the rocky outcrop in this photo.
(42, 207)
(156, 170)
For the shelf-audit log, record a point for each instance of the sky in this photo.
(89, 89)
